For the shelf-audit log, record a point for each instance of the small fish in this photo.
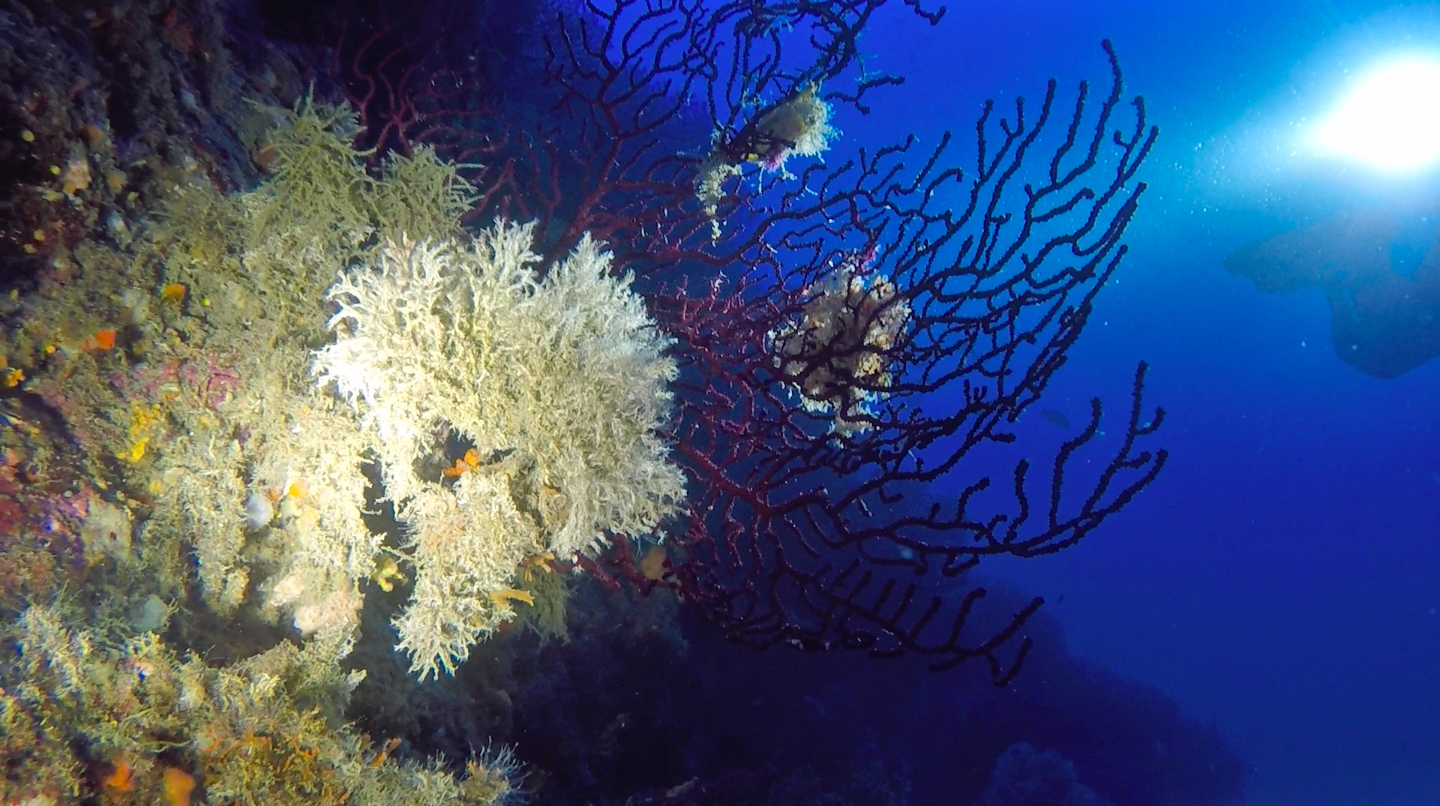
(652, 565)
(1055, 418)
(177, 785)
(121, 777)
(101, 341)
(502, 598)
(462, 466)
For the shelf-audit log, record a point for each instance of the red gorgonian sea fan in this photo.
(858, 337)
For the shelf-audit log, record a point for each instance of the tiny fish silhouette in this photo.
(1055, 418)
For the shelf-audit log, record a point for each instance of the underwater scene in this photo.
(719, 403)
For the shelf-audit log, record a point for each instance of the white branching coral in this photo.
(558, 386)
(258, 471)
(317, 547)
(837, 351)
(797, 126)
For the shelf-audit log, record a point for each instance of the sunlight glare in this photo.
(1391, 119)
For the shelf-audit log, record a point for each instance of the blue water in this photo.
(1282, 577)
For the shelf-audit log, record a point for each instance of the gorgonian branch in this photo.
(889, 328)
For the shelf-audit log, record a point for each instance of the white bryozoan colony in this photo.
(557, 389)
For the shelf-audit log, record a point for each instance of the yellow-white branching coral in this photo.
(556, 387)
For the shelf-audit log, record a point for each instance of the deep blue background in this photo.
(1282, 578)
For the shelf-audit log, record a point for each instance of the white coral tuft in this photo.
(559, 384)
(837, 351)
